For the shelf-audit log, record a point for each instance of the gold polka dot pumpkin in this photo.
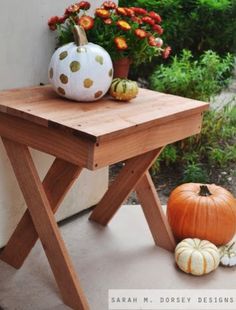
(81, 71)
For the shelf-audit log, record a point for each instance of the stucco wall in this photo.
(26, 44)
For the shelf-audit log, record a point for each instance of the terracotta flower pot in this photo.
(121, 67)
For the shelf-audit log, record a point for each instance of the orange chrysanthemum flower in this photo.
(86, 22)
(84, 5)
(155, 16)
(139, 11)
(122, 24)
(62, 19)
(102, 13)
(141, 34)
(129, 12)
(158, 29)
(107, 21)
(148, 20)
(120, 43)
(152, 41)
(136, 19)
(52, 22)
(74, 8)
(166, 52)
(109, 5)
(121, 11)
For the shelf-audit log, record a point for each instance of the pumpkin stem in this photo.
(204, 191)
(79, 35)
(230, 247)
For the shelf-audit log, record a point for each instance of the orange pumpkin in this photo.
(202, 211)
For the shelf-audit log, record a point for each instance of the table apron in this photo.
(48, 140)
(91, 155)
(122, 148)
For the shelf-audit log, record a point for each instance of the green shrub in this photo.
(195, 173)
(199, 155)
(199, 79)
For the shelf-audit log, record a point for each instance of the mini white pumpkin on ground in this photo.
(81, 71)
(197, 257)
(228, 255)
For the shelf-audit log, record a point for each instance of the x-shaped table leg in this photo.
(43, 199)
(135, 175)
(38, 221)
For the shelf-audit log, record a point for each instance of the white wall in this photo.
(86, 192)
(26, 43)
(26, 46)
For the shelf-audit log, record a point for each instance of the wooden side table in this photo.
(87, 135)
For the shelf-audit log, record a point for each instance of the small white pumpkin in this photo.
(228, 255)
(197, 256)
(81, 71)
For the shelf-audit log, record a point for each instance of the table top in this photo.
(97, 121)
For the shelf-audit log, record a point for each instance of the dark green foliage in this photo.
(197, 25)
(197, 79)
(65, 34)
(195, 173)
(199, 155)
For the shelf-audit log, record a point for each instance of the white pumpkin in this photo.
(197, 256)
(228, 255)
(81, 71)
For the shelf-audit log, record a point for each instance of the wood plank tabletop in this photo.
(100, 120)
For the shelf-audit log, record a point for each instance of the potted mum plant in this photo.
(129, 34)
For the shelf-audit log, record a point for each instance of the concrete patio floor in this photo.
(121, 255)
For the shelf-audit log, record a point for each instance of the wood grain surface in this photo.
(100, 120)
(124, 183)
(56, 184)
(44, 222)
(154, 213)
